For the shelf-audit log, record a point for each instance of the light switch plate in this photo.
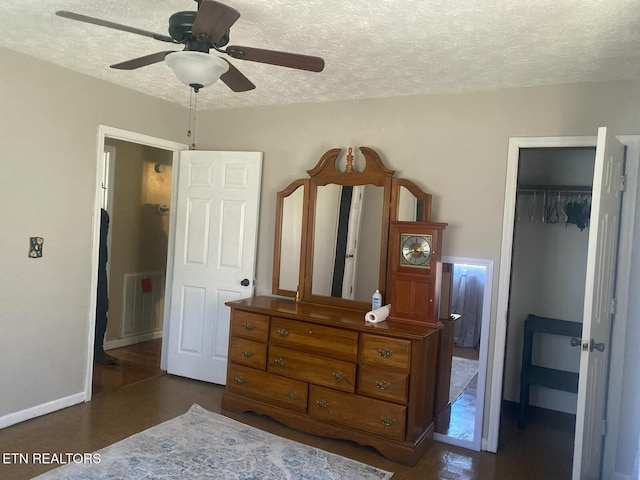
(35, 247)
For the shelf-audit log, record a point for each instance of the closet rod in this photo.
(566, 189)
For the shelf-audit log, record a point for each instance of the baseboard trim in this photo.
(125, 342)
(39, 410)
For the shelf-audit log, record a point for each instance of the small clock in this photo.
(415, 250)
(415, 272)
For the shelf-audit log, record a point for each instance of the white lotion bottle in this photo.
(376, 300)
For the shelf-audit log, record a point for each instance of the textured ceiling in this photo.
(372, 49)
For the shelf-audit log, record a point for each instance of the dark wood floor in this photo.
(543, 451)
(135, 363)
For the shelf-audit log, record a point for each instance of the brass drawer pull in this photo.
(322, 403)
(283, 332)
(387, 421)
(250, 326)
(281, 362)
(292, 395)
(382, 384)
(239, 380)
(246, 353)
(384, 352)
(339, 376)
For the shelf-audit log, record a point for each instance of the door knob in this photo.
(575, 342)
(245, 282)
(596, 346)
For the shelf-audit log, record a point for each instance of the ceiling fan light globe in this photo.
(196, 68)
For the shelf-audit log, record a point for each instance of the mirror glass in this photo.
(466, 289)
(347, 241)
(410, 208)
(291, 238)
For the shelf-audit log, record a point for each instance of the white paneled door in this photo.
(214, 260)
(598, 306)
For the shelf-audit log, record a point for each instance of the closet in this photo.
(549, 264)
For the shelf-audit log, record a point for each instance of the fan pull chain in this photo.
(193, 108)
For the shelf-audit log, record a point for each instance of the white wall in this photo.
(48, 134)
(629, 427)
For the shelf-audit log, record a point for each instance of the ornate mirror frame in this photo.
(324, 173)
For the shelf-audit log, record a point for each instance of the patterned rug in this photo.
(204, 445)
(462, 372)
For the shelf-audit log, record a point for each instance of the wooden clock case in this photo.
(415, 290)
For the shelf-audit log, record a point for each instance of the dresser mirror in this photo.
(412, 204)
(291, 204)
(332, 228)
(347, 233)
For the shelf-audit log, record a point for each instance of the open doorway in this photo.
(548, 274)
(137, 195)
(139, 228)
(134, 186)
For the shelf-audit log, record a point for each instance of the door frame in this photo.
(632, 143)
(142, 139)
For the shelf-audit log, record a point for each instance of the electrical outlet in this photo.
(35, 247)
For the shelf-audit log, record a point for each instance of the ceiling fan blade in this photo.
(236, 81)
(116, 26)
(273, 57)
(214, 19)
(141, 61)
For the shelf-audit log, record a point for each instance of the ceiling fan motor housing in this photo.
(180, 25)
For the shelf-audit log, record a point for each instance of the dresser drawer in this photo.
(318, 370)
(273, 389)
(312, 338)
(385, 351)
(248, 352)
(383, 384)
(249, 325)
(366, 414)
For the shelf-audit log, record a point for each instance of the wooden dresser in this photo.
(322, 370)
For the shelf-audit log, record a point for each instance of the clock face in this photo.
(415, 250)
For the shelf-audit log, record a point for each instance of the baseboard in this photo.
(39, 410)
(124, 342)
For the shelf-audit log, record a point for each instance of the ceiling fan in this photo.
(199, 31)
